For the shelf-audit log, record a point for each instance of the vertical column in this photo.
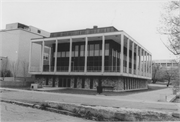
(86, 46)
(132, 57)
(137, 55)
(70, 53)
(127, 68)
(42, 56)
(50, 60)
(122, 54)
(146, 65)
(140, 62)
(103, 44)
(55, 59)
(30, 53)
(151, 65)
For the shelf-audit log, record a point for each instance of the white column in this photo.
(86, 54)
(49, 59)
(122, 54)
(146, 65)
(140, 63)
(132, 57)
(103, 44)
(42, 57)
(55, 59)
(30, 54)
(127, 56)
(137, 60)
(70, 54)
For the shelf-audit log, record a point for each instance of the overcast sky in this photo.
(138, 18)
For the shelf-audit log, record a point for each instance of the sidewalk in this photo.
(145, 100)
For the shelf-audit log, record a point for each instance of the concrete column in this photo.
(132, 57)
(143, 63)
(146, 64)
(50, 60)
(86, 54)
(137, 61)
(103, 44)
(127, 68)
(122, 53)
(55, 59)
(70, 54)
(30, 55)
(42, 57)
(140, 63)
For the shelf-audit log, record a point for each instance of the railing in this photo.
(112, 69)
(34, 69)
(77, 68)
(48, 69)
(93, 68)
(62, 68)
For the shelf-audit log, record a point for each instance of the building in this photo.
(14, 45)
(167, 64)
(89, 58)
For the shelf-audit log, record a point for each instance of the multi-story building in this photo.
(166, 63)
(14, 45)
(89, 58)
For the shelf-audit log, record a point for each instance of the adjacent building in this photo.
(166, 63)
(89, 58)
(14, 46)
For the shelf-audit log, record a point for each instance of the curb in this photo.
(101, 113)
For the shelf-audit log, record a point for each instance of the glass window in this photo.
(96, 46)
(76, 48)
(91, 47)
(76, 53)
(72, 54)
(59, 54)
(67, 54)
(96, 52)
(82, 53)
(63, 54)
(82, 47)
(107, 46)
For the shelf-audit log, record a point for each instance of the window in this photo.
(58, 54)
(63, 54)
(82, 50)
(67, 54)
(91, 50)
(96, 49)
(76, 50)
(106, 49)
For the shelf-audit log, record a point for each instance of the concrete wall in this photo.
(15, 84)
(16, 46)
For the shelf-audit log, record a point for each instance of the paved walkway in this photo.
(144, 100)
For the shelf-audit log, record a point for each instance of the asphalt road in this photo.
(16, 113)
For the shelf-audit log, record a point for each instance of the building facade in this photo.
(14, 46)
(166, 63)
(89, 58)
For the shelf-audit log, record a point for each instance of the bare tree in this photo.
(15, 68)
(4, 67)
(170, 26)
(155, 72)
(24, 69)
(170, 74)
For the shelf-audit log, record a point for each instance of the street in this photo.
(16, 113)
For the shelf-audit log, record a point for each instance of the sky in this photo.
(139, 18)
